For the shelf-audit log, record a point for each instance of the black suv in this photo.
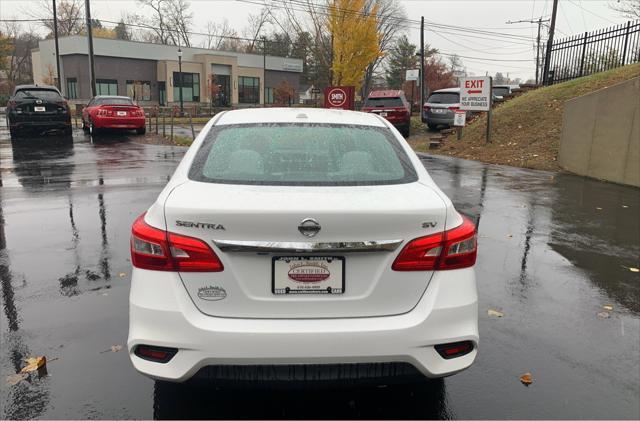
(38, 108)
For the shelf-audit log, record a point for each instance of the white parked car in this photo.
(302, 244)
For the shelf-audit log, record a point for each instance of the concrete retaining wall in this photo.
(601, 134)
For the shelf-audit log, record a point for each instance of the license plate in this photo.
(121, 113)
(438, 110)
(307, 275)
(383, 114)
(38, 109)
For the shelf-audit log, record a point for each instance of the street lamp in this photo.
(180, 77)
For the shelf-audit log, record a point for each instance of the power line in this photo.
(325, 11)
(590, 12)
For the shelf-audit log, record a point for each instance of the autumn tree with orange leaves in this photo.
(355, 39)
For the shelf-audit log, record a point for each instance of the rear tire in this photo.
(92, 129)
(406, 132)
(141, 130)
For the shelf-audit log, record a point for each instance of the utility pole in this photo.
(539, 22)
(92, 65)
(264, 72)
(55, 36)
(422, 79)
(547, 58)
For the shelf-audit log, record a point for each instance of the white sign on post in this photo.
(475, 93)
(412, 74)
(460, 118)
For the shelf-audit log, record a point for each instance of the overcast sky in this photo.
(485, 53)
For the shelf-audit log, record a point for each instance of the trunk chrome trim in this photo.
(305, 246)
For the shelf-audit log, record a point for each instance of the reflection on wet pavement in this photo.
(552, 250)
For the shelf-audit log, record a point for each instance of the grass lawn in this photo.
(526, 130)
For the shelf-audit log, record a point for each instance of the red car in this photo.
(391, 105)
(113, 112)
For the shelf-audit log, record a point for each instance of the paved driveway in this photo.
(553, 250)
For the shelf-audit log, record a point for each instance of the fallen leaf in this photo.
(526, 379)
(494, 313)
(122, 274)
(636, 270)
(16, 378)
(598, 208)
(509, 235)
(604, 315)
(625, 206)
(34, 364)
(116, 348)
(608, 307)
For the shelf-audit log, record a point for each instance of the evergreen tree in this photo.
(401, 58)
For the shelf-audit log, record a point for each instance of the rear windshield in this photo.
(301, 155)
(112, 101)
(444, 98)
(384, 102)
(500, 91)
(46, 94)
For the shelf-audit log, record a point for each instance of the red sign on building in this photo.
(340, 97)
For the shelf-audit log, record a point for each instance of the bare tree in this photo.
(170, 21)
(255, 27)
(18, 65)
(180, 21)
(307, 19)
(217, 33)
(158, 20)
(70, 14)
(628, 8)
(391, 16)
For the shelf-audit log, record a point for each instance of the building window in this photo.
(269, 96)
(190, 87)
(72, 88)
(248, 90)
(139, 90)
(107, 87)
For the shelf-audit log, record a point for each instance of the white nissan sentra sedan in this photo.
(304, 244)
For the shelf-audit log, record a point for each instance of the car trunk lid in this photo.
(362, 229)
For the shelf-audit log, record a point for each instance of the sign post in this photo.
(412, 75)
(459, 120)
(475, 95)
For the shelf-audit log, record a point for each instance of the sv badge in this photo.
(429, 224)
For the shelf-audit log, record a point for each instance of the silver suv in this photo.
(440, 107)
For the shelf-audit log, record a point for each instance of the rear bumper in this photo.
(42, 124)
(444, 120)
(162, 314)
(119, 123)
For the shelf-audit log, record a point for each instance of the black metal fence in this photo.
(594, 52)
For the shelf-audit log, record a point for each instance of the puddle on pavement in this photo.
(553, 248)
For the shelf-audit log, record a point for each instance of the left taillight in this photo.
(452, 249)
(156, 249)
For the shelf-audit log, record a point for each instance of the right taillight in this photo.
(453, 249)
(156, 249)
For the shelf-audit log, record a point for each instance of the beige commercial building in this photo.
(150, 72)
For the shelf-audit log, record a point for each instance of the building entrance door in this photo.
(223, 96)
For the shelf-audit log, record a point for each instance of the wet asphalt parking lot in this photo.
(553, 249)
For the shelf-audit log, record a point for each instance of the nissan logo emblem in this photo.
(309, 227)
